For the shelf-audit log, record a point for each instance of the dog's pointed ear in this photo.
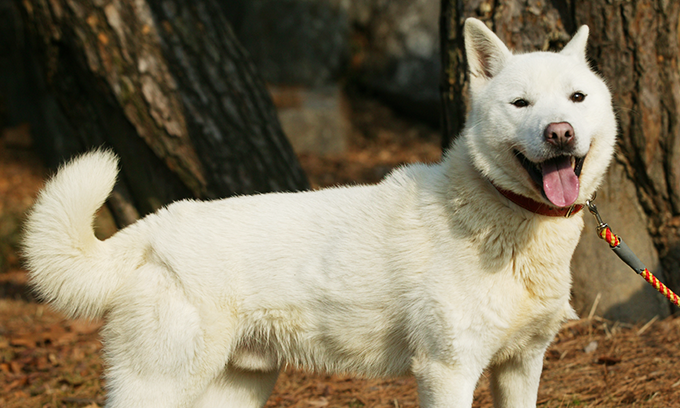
(577, 45)
(486, 53)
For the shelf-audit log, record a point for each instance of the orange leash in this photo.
(627, 255)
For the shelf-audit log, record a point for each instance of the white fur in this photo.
(431, 272)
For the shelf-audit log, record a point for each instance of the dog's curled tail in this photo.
(68, 266)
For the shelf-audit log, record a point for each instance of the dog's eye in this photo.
(577, 97)
(520, 103)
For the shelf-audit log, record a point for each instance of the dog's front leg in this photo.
(514, 382)
(442, 385)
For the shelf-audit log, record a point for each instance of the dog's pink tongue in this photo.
(560, 183)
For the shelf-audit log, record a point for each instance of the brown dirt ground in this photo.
(48, 361)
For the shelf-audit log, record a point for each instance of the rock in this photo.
(398, 28)
(293, 42)
(394, 46)
(301, 47)
(625, 296)
(315, 120)
(410, 85)
(396, 53)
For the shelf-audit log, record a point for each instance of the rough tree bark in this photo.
(638, 52)
(634, 45)
(168, 87)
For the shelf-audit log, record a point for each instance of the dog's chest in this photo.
(534, 324)
(538, 303)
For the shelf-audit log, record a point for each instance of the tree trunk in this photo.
(634, 45)
(168, 87)
(636, 49)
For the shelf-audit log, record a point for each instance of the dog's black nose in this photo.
(559, 134)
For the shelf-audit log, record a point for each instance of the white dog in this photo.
(439, 271)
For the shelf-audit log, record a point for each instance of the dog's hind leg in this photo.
(237, 388)
(160, 384)
(163, 348)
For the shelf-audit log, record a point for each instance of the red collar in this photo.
(539, 208)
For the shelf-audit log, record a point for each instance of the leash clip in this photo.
(626, 255)
(601, 225)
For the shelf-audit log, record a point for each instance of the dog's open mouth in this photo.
(557, 178)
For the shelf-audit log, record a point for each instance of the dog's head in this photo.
(541, 124)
